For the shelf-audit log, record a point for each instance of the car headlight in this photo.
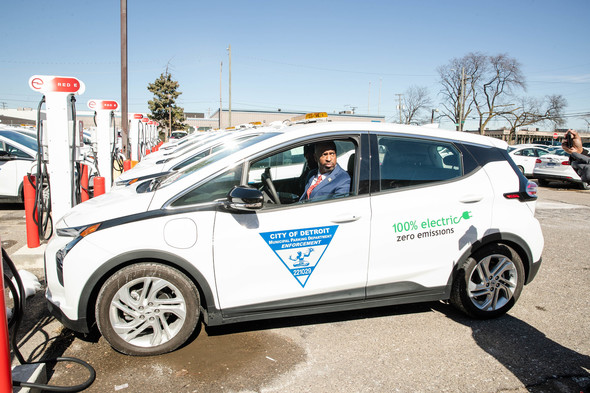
(81, 231)
(78, 233)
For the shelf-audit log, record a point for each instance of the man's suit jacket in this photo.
(337, 182)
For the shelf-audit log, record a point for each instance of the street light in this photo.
(432, 116)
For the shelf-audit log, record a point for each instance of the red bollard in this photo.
(126, 165)
(99, 187)
(5, 369)
(84, 184)
(30, 212)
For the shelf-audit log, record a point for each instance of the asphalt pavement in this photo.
(541, 345)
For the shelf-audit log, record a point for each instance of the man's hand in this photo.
(577, 143)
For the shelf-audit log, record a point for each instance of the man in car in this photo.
(330, 179)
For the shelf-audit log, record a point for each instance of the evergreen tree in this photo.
(165, 91)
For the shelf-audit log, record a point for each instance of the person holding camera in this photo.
(579, 157)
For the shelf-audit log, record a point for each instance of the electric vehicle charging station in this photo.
(61, 138)
(143, 137)
(152, 135)
(105, 137)
(135, 128)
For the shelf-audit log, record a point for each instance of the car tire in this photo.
(147, 309)
(489, 282)
(585, 186)
(521, 169)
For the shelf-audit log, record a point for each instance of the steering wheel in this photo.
(269, 187)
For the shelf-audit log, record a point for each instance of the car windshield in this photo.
(24, 140)
(230, 148)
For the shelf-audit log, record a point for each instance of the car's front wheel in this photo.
(489, 282)
(147, 309)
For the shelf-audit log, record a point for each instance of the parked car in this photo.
(156, 164)
(17, 157)
(178, 134)
(430, 215)
(556, 167)
(525, 156)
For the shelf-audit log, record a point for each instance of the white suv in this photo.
(431, 215)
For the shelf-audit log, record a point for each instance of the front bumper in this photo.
(79, 325)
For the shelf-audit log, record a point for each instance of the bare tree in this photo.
(459, 80)
(414, 102)
(497, 84)
(532, 111)
(480, 83)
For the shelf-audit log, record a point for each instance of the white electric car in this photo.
(17, 157)
(430, 215)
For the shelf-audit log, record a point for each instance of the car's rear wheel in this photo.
(147, 309)
(489, 282)
(521, 168)
(585, 186)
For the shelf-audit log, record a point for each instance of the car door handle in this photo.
(346, 218)
(471, 198)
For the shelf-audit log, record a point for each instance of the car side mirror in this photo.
(244, 198)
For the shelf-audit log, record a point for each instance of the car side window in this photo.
(213, 189)
(406, 162)
(284, 174)
(15, 151)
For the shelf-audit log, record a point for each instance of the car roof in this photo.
(290, 133)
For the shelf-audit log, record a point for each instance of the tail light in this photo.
(538, 161)
(529, 193)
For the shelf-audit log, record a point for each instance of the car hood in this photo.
(114, 204)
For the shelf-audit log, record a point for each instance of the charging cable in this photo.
(19, 297)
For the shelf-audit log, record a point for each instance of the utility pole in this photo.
(220, 111)
(169, 113)
(379, 105)
(462, 99)
(229, 50)
(124, 98)
(399, 107)
(369, 100)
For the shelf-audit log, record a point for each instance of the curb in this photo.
(31, 373)
(29, 258)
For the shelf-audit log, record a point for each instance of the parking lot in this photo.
(541, 345)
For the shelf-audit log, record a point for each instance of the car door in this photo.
(427, 211)
(296, 253)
